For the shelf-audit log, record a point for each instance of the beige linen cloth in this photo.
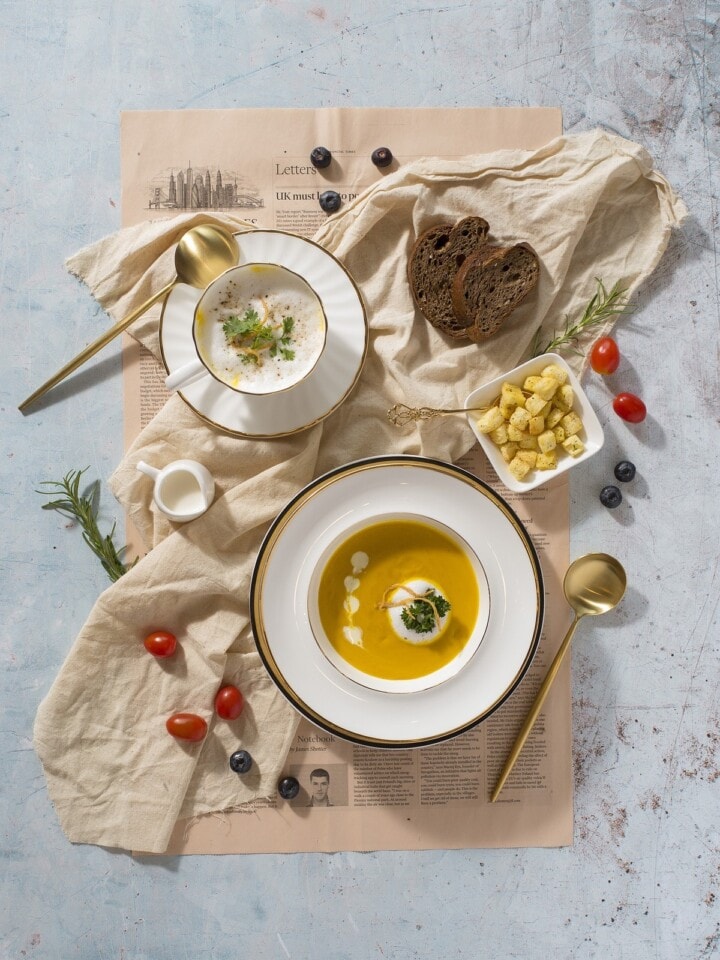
(591, 205)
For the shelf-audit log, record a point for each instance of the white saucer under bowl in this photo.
(331, 380)
(359, 493)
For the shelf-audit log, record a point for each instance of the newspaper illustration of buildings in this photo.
(191, 189)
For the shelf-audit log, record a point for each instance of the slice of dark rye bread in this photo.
(435, 258)
(490, 284)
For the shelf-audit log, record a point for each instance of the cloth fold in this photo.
(591, 206)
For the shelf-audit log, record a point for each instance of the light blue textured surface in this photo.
(643, 877)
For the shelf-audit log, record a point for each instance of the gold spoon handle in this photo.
(535, 709)
(401, 414)
(96, 345)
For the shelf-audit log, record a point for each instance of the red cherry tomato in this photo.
(629, 407)
(186, 726)
(229, 702)
(605, 356)
(160, 644)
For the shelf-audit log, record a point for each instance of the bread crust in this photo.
(489, 286)
(434, 260)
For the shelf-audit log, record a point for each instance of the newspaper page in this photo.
(255, 162)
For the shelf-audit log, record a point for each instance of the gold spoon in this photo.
(202, 254)
(593, 584)
(401, 414)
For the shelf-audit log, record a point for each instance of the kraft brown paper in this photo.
(591, 206)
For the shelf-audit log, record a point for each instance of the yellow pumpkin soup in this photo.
(398, 599)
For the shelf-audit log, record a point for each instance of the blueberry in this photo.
(382, 157)
(241, 761)
(610, 497)
(625, 471)
(320, 157)
(288, 788)
(330, 201)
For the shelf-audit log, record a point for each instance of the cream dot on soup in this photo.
(353, 635)
(352, 604)
(260, 328)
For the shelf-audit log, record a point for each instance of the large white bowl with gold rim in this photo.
(286, 571)
(403, 661)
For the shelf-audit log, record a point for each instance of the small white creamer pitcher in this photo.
(183, 490)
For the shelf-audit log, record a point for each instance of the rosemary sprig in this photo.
(601, 308)
(83, 509)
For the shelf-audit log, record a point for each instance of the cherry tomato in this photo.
(629, 407)
(605, 356)
(160, 644)
(229, 702)
(186, 726)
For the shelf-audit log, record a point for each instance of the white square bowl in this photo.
(592, 436)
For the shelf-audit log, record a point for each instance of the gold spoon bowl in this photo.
(202, 254)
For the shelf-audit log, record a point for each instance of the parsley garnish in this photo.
(281, 345)
(250, 336)
(420, 615)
